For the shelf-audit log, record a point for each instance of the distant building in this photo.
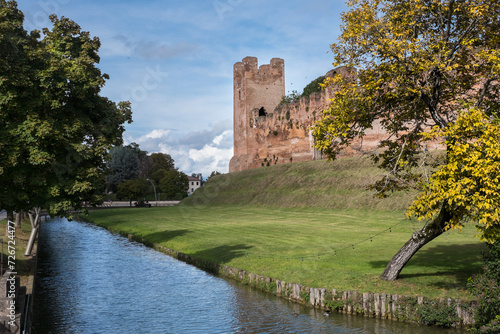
(194, 183)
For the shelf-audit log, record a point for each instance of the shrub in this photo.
(313, 86)
(132, 189)
(439, 314)
(305, 296)
(331, 303)
(486, 288)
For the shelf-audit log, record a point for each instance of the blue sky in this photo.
(173, 59)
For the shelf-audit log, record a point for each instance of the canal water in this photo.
(92, 281)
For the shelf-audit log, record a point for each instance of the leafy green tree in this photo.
(158, 175)
(132, 189)
(314, 86)
(423, 66)
(124, 164)
(55, 128)
(174, 184)
(16, 76)
(145, 166)
(162, 161)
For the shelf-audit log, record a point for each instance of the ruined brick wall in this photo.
(267, 133)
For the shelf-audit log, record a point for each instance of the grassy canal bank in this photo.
(312, 247)
(23, 265)
(309, 223)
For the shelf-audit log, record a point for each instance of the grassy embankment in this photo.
(23, 264)
(311, 223)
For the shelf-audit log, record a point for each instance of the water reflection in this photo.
(262, 313)
(92, 281)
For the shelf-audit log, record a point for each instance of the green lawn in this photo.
(317, 247)
(22, 264)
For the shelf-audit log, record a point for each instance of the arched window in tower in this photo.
(262, 112)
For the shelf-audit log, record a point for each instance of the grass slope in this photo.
(22, 264)
(339, 184)
(309, 223)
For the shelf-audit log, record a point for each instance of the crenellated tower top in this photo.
(255, 89)
(269, 132)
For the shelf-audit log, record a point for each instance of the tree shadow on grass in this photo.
(222, 254)
(453, 263)
(164, 236)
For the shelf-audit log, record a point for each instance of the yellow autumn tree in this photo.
(425, 69)
(470, 180)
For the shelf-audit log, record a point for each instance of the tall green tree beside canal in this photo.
(55, 128)
(161, 161)
(132, 189)
(124, 164)
(426, 69)
(174, 184)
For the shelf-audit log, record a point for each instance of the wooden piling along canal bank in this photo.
(442, 312)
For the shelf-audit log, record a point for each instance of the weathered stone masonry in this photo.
(267, 133)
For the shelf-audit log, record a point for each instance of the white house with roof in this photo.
(194, 183)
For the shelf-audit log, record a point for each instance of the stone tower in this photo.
(267, 132)
(257, 92)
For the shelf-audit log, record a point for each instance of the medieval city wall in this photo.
(267, 132)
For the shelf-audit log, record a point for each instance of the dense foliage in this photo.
(174, 184)
(55, 127)
(133, 174)
(422, 66)
(161, 161)
(132, 189)
(313, 87)
(470, 179)
(123, 165)
(486, 287)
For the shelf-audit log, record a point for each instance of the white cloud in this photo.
(173, 60)
(211, 158)
(155, 134)
(202, 151)
(218, 139)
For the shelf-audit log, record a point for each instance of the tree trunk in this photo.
(19, 217)
(35, 224)
(31, 241)
(10, 218)
(429, 232)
